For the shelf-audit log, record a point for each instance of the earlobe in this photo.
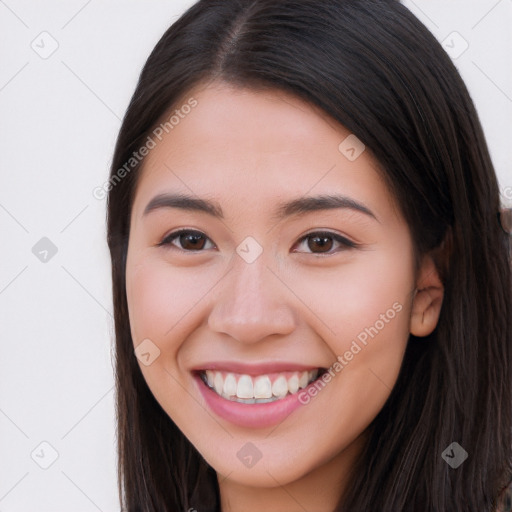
(427, 300)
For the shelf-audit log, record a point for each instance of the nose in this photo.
(252, 304)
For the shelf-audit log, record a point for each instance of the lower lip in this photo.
(248, 415)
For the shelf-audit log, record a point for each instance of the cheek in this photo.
(352, 296)
(159, 299)
(362, 310)
(161, 304)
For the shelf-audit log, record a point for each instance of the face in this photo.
(269, 282)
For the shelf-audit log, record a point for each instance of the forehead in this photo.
(254, 146)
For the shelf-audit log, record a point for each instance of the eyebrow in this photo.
(295, 207)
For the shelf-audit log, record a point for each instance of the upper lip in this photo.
(254, 369)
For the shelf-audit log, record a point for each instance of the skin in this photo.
(249, 151)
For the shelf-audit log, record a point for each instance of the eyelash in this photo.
(344, 242)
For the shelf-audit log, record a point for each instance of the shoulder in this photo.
(505, 499)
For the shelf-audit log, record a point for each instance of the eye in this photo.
(322, 242)
(188, 240)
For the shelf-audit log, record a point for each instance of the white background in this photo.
(59, 119)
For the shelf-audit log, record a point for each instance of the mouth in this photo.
(258, 389)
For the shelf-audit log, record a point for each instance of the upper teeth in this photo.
(262, 387)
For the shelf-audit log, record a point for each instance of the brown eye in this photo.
(187, 240)
(324, 242)
(191, 241)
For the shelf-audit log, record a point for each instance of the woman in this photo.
(311, 283)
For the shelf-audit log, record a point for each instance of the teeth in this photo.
(293, 384)
(229, 388)
(303, 380)
(218, 382)
(280, 387)
(245, 387)
(261, 389)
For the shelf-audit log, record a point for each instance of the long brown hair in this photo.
(374, 68)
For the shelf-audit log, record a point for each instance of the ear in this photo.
(427, 300)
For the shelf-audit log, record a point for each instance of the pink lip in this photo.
(248, 415)
(254, 369)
